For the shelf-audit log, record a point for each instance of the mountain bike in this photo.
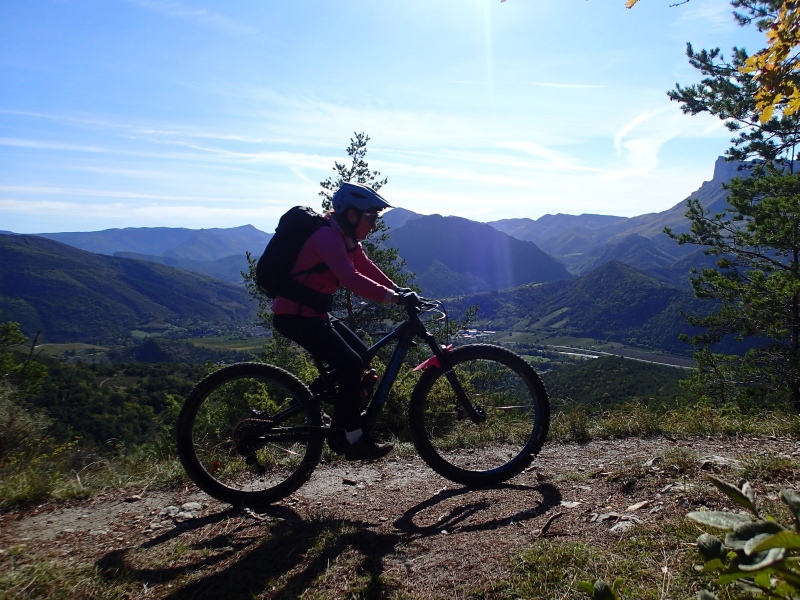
(252, 433)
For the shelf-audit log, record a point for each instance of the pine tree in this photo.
(367, 317)
(755, 284)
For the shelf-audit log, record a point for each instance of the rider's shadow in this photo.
(458, 515)
(281, 562)
(295, 556)
(295, 553)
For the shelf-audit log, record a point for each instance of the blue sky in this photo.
(194, 113)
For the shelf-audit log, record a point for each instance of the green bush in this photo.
(19, 426)
(758, 554)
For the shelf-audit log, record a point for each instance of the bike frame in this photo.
(404, 335)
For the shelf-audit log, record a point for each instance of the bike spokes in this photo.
(250, 435)
(483, 421)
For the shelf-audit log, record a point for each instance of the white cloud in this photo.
(579, 86)
(537, 150)
(704, 16)
(43, 145)
(84, 192)
(640, 140)
(181, 10)
(107, 214)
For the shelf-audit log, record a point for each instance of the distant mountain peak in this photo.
(474, 252)
(397, 217)
(724, 171)
(213, 243)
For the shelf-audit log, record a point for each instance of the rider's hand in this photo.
(403, 290)
(409, 299)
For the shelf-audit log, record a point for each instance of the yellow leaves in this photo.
(793, 102)
(768, 73)
(776, 67)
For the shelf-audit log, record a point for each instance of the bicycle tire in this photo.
(514, 399)
(237, 401)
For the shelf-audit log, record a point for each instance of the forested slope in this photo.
(73, 295)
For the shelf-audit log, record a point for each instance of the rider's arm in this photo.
(371, 283)
(365, 265)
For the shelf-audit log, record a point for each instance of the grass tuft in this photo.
(769, 468)
(653, 564)
(65, 472)
(637, 419)
(23, 577)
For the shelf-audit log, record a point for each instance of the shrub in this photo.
(19, 426)
(757, 554)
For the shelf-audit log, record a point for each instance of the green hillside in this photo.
(73, 295)
(614, 302)
(226, 269)
(605, 382)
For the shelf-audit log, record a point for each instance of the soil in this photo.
(393, 525)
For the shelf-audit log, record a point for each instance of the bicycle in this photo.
(251, 433)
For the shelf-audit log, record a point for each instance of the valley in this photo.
(594, 283)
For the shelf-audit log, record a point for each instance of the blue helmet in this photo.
(359, 196)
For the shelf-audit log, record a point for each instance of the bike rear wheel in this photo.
(511, 395)
(249, 434)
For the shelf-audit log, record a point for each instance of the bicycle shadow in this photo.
(458, 515)
(295, 554)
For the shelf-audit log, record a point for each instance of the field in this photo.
(62, 349)
(223, 342)
(589, 347)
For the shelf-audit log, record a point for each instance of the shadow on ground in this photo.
(280, 555)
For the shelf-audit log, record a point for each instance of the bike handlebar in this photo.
(421, 305)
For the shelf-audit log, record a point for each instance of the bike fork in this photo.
(441, 359)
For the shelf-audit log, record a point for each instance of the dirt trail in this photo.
(393, 522)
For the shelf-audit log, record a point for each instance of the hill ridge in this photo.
(75, 295)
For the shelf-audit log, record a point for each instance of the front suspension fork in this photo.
(441, 360)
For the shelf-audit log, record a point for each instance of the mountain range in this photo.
(613, 302)
(452, 256)
(137, 274)
(218, 253)
(583, 242)
(73, 295)
(443, 252)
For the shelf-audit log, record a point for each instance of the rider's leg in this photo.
(335, 344)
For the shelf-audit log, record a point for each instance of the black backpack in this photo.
(274, 274)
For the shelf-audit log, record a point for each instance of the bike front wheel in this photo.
(506, 390)
(249, 434)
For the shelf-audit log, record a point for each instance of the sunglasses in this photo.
(371, 217)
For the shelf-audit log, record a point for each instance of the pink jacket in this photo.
(348, 266)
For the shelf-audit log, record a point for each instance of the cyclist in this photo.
(356, 208)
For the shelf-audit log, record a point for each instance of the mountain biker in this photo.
(356, 208)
